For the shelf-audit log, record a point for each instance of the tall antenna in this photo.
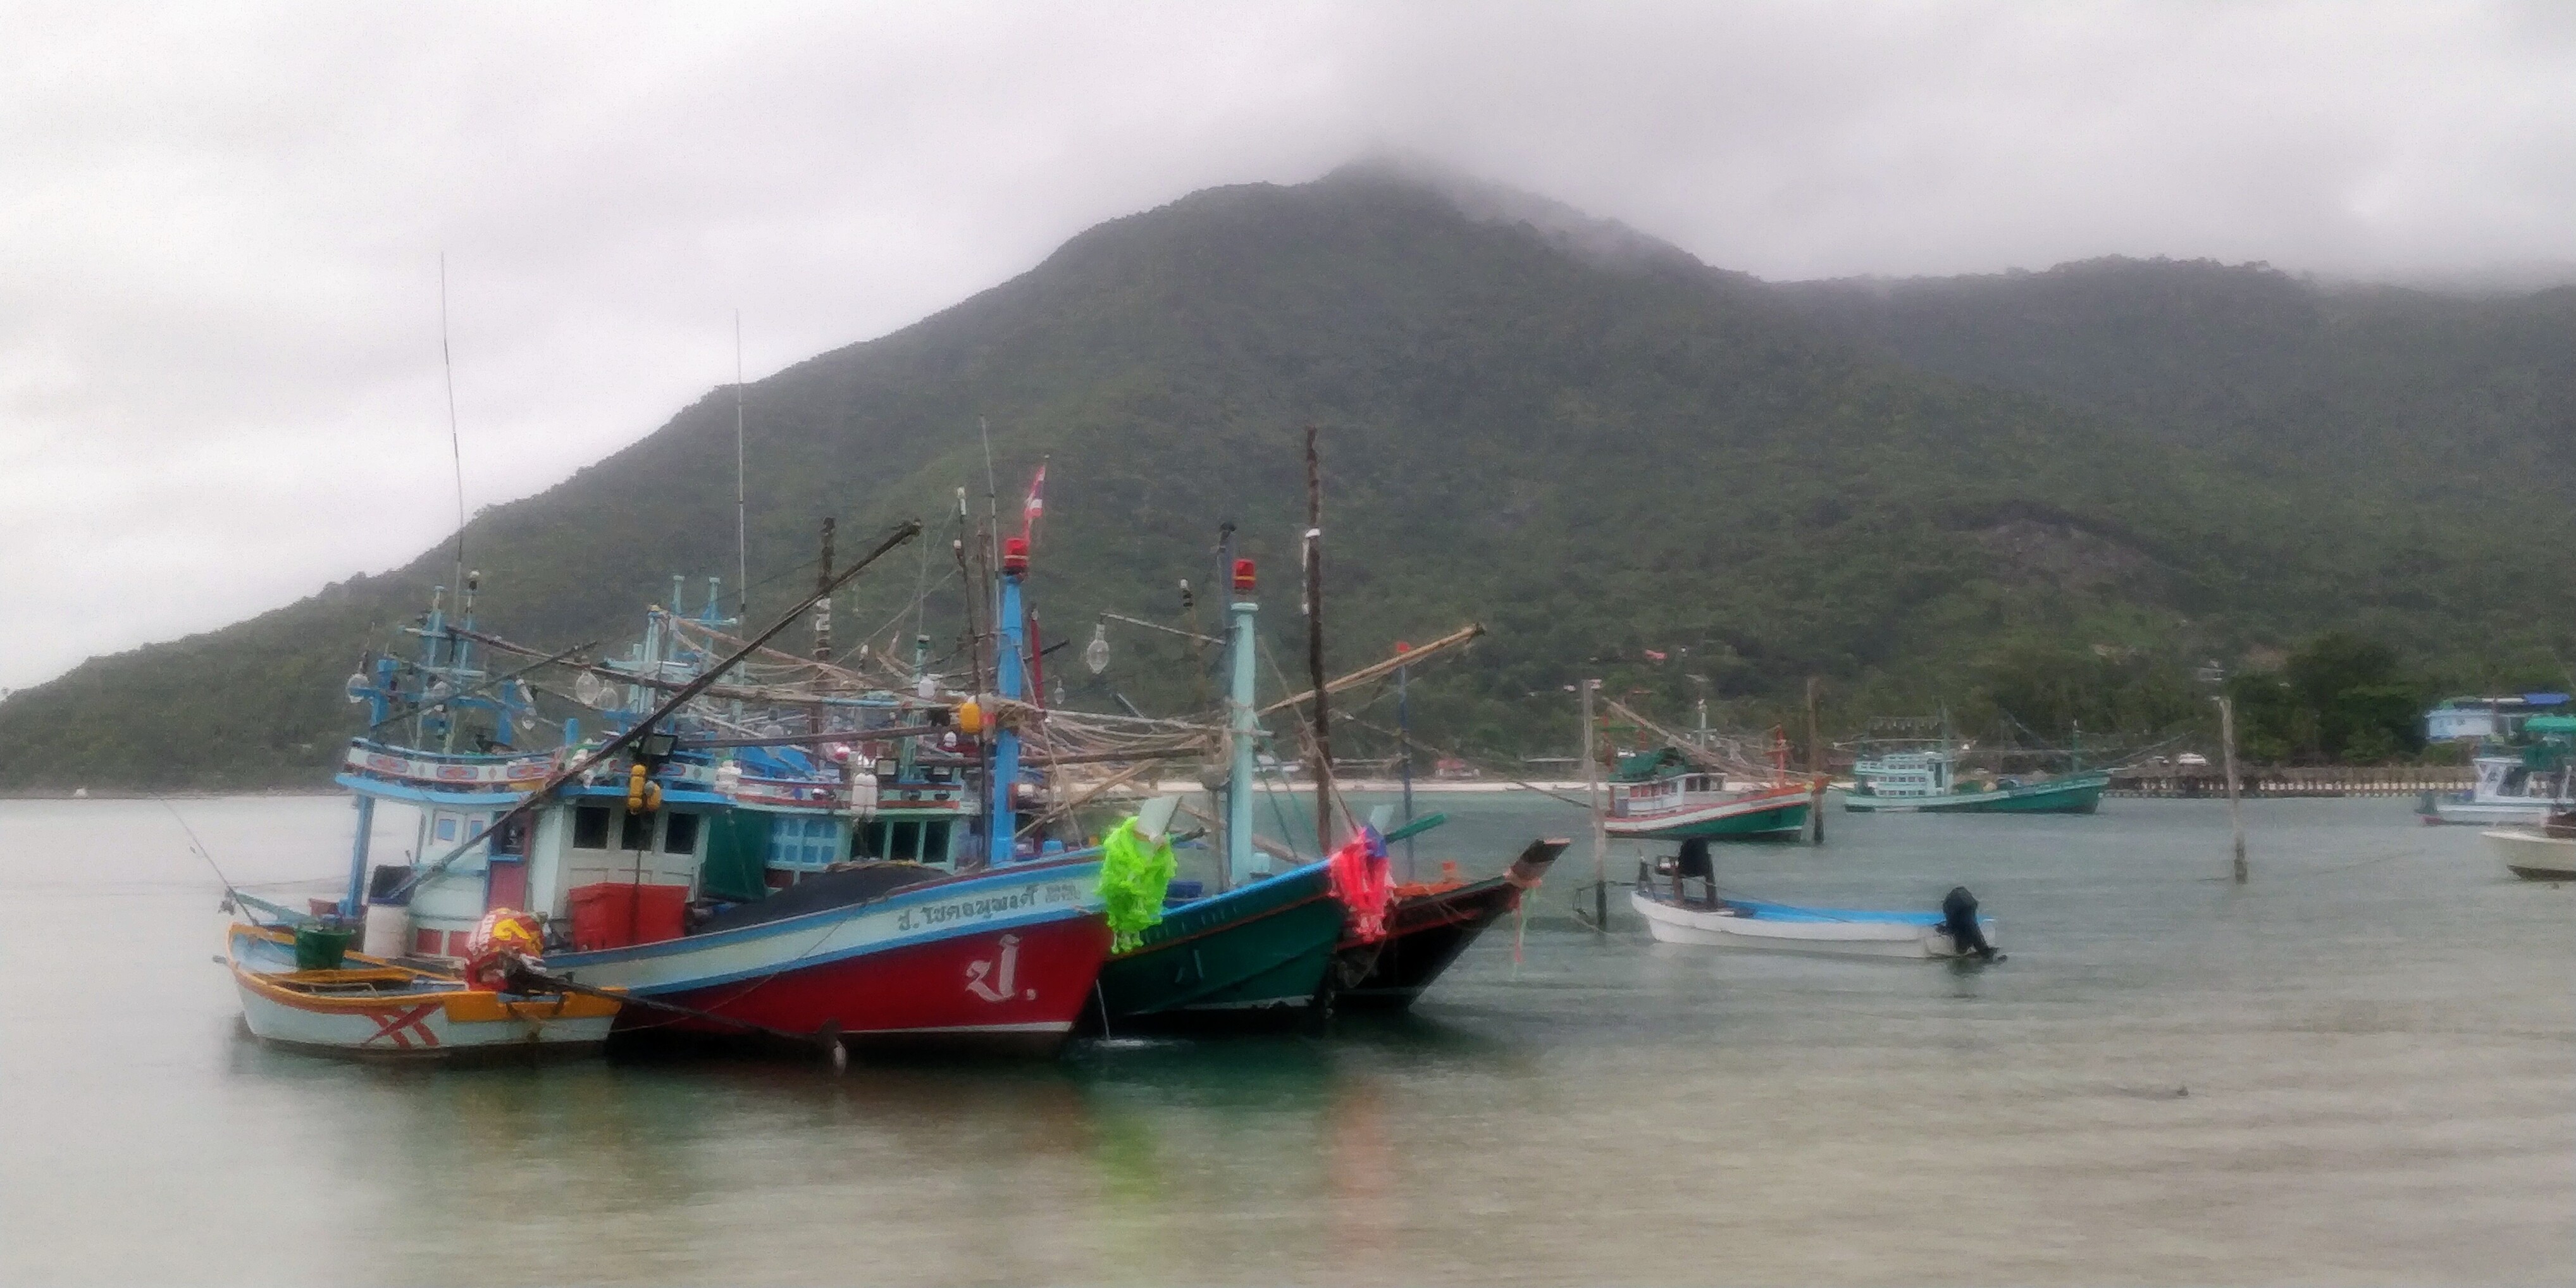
(992, 501)
(741, 528)
(455, 445)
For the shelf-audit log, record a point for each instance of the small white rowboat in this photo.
(2534, 855)
(1745, 923)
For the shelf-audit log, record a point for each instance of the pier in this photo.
(2293, 780)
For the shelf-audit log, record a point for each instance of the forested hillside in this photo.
(1593, 444)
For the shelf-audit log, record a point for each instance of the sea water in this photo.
(2356, 1068)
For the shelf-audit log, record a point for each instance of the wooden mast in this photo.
(1315, 646)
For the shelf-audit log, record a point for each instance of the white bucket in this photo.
(388, 930)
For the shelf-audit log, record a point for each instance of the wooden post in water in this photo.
(1815, 767)
(1315, 645)
(1592, 797)
(2227, 755)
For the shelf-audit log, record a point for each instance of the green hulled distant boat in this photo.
(1924, 780)
(1660, 796)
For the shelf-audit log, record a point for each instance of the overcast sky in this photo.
(220, 227)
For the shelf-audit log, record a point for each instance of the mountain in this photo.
(2446, 422)
(1586, 439)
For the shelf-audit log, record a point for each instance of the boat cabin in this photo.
(602, 874)
(1905, 774)
(1651, 784)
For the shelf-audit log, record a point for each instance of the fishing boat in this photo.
(1919, 775)
(2518, 782)
(1429, 925)
(368, 1008)
(610, 843)
(1660, 796)
(1260, 948)
(1747, 923)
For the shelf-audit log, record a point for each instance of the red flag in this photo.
(1035, 506)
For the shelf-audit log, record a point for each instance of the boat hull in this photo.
(1771, 816)
(338, 1014)
(1000, 961)
(1779, 928)
(2471, 813)
(1260, 949)
(1428, 928)
(2533, 856)
(2076, 795)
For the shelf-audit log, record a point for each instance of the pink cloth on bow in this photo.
(1363, 884)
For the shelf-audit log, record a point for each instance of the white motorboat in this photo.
(2535, 854)
(1747, 923)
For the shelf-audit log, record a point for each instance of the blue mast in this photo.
(1243, 726)
(1000, 822)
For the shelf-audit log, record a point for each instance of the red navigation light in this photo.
(1015, 554)
(1243, 576)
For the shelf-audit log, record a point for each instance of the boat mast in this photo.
(1315, 646)
(741, 523)
(1001, 822)
(1404, 754)
(455, 444)
(1243, 725)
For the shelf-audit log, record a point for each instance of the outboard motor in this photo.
(1959, 915)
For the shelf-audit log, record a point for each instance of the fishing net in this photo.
(1133, 879)
(1362, 883)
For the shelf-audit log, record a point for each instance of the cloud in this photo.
(220, 232)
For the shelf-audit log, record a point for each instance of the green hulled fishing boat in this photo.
(1262, 946)
(1661, 796)
(1255, 947)
(1921, 776)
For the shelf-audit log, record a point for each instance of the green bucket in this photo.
(320, 947)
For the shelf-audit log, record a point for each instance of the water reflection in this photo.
(2375, 1057)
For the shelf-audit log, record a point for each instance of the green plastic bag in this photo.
(1133, 879)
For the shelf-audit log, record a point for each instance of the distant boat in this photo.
(1780, 927)
(1659, 796)
(378, 1010)
(1920, 776)
(2517, 783)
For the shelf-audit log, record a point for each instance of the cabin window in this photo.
(511, 837)
(797, 841)
(868, 841)
(446, 829)
(903, 840)
(680, 835)
(637, 834)
(590, 827)
(934, 842)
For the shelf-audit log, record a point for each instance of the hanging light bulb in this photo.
(1095, 655)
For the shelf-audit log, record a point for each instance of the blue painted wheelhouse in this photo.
(696, 815)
